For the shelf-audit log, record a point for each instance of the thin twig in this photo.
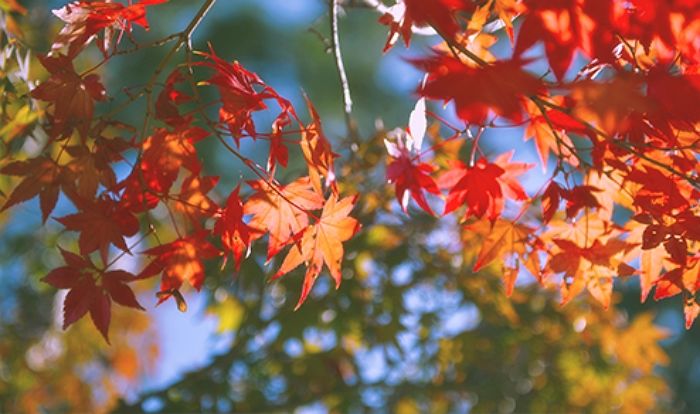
(335, 47)
(475, 146)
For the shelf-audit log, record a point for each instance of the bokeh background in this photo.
(411, 329)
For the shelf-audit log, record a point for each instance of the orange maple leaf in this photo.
(164, 153)
(179, 261)
(193, 200)
(322, 243)
(317, 152)
(591, 268)
(282, 211)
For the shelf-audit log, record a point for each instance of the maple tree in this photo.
(607, 90)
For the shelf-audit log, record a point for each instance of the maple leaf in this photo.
(651, 259)
(691, 309)
(101, 223)
(180, 261)
(85, 19)
(675, 98)
(510, 186)
(505, 237)
(43, 177)
(164, 153)
(681, 280)
(115, 284)
(91, 290)
(405, 14)
(169, 99)
(659, 194)
(281, 212)
(279, 153)
(317, 152)
(90, 168)
(610, 105)
(193, 200)
(506, 10)
(483, 186)
(477, 186)
(239, 96)
(565, 27)
(549, 131)
(592, 268)
(476, 90)
(578, 198)
(410, 176)
(235, 234)
(550, 201)
(667, 21)
(321, 243)
(72, 95)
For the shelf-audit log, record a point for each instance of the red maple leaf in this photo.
(660, 194)
(550, 201)
(85, 19)
(440, 14)
(676, 100)
(509, 184)
(411, 178)
(678, 280)
(235, 234)
(242, 93)
(477, 187)
(500, 87)
(101, 223)
(667, 21)
(90, 168)
(164, 153)
(321, 243)
(566, 26)
(579, 197)
(72, 96)
(91, 290)
(169, 99)
(43, 177)
(483, 186)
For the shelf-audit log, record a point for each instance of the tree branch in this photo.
(340, 66)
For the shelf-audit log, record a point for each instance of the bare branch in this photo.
(335, 47)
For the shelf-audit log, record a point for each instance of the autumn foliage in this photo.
(608, 91)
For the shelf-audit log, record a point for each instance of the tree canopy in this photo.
(483, 240)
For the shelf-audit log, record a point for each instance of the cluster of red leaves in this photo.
(87, 20)
(305, 216)
(635, 107)
(632, 107)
